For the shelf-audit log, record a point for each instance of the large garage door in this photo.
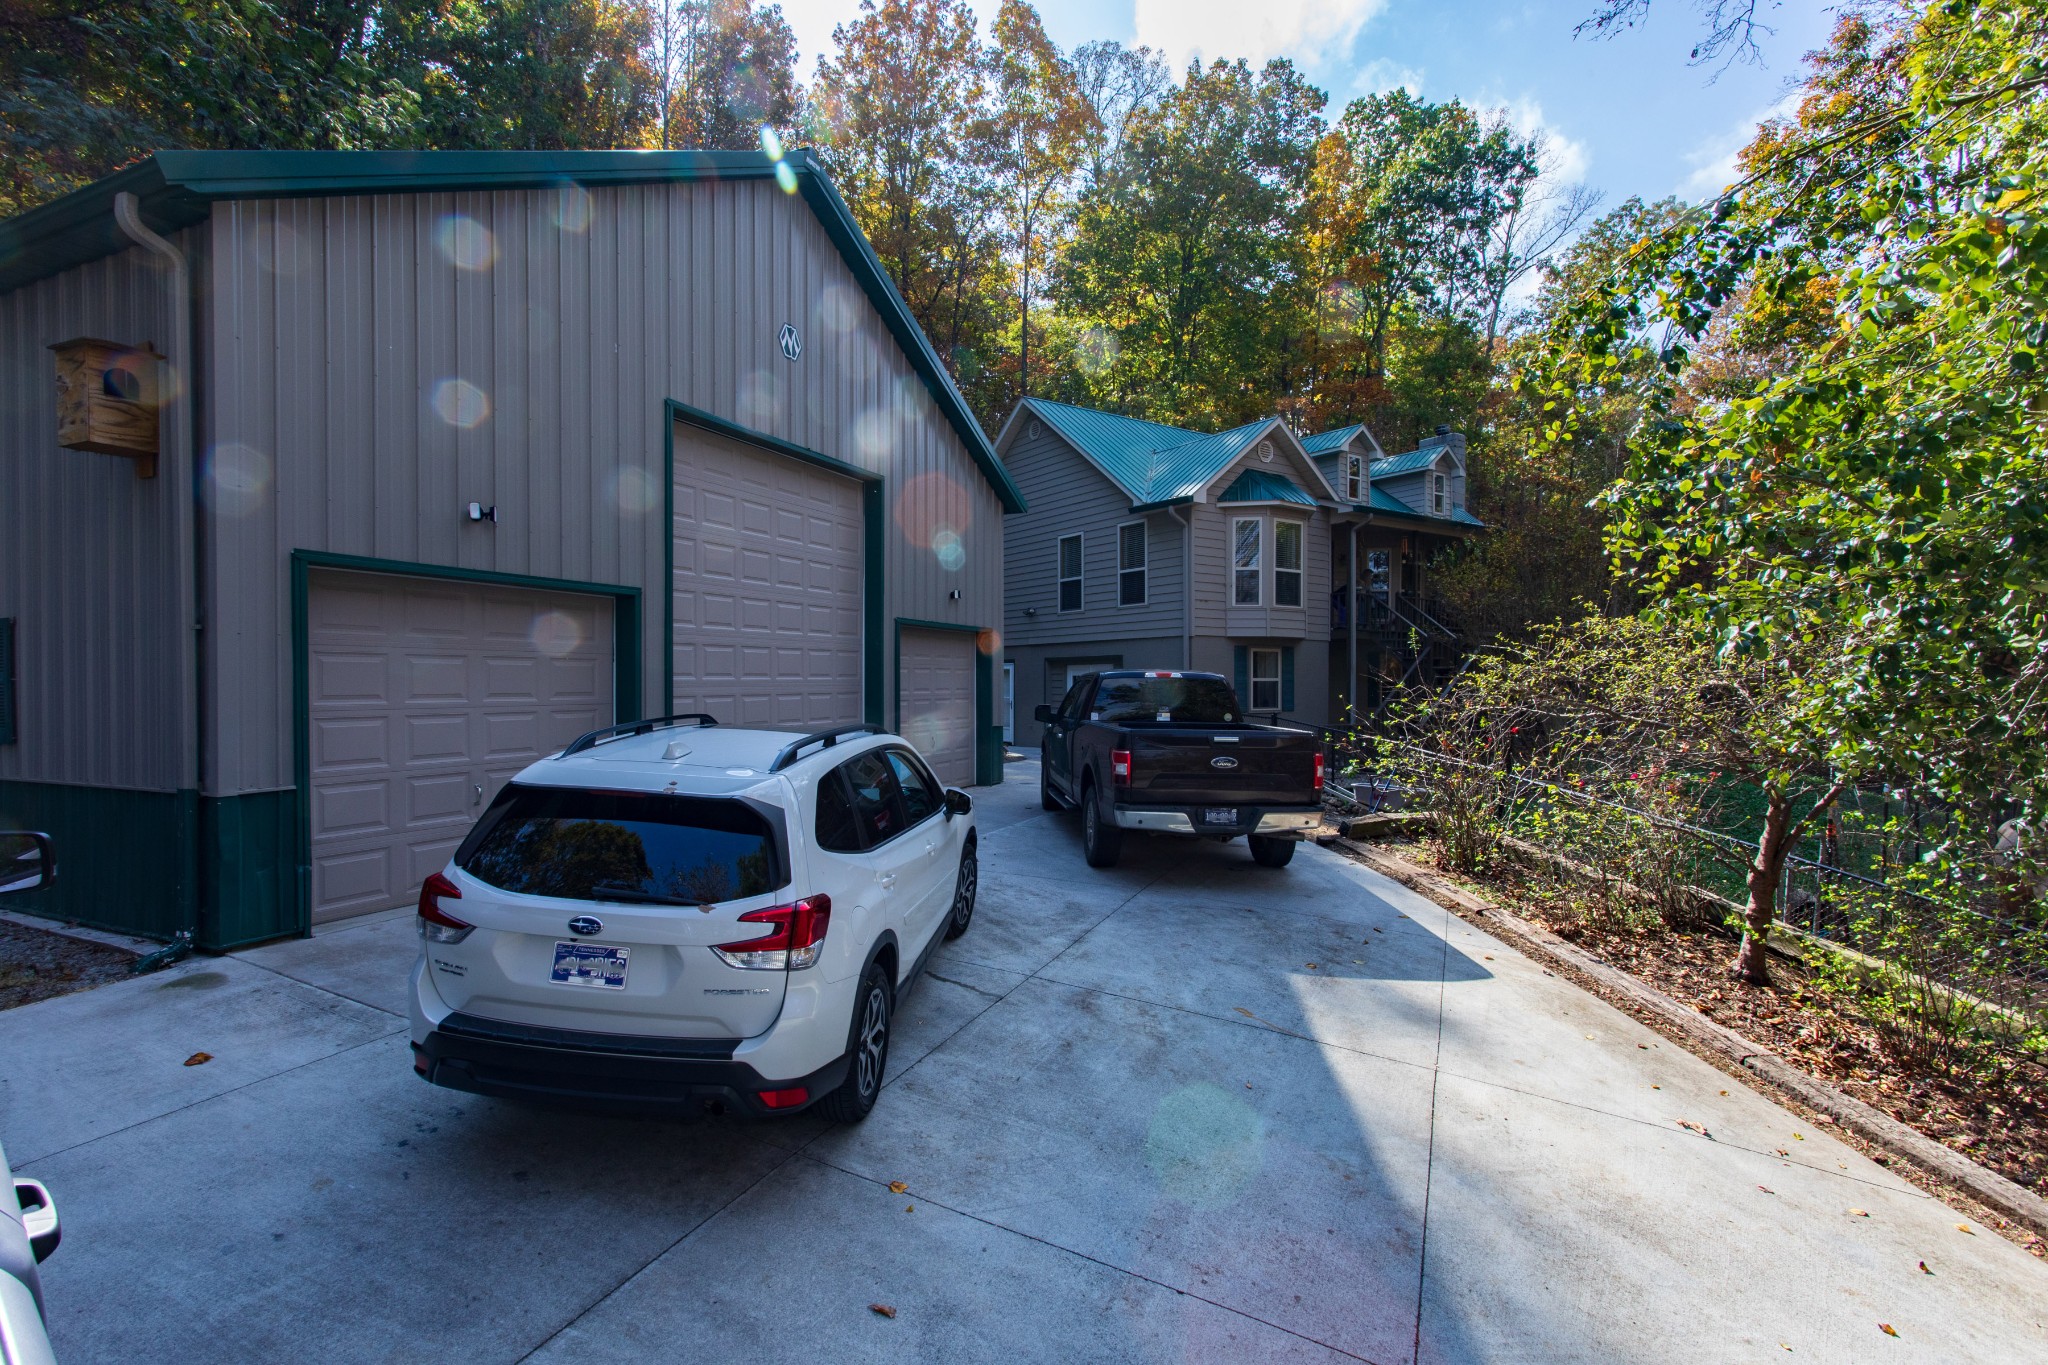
(935, 692)
(767, 587)
(425, 698)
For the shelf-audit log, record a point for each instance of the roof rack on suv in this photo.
(635, 727)
(826, 738)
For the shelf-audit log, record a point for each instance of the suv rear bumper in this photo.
(1281, 821)
(603, 1070)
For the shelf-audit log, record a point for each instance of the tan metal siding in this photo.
(327, 356)
(86, 548)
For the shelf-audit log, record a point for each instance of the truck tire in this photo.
(1102, 843)
(1270, 852)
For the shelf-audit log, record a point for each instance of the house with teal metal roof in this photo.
(1295, 565)
(337, 486)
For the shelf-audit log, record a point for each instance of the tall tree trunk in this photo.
(1024, 323)
(1752, 963)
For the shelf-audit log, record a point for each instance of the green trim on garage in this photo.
(125, 859)
(625, 675)
(872, 531)
(988, 730)
(248, 847)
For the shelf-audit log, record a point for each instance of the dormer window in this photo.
(1354, 478)
(1439, 495)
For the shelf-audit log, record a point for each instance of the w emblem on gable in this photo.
(792, 344)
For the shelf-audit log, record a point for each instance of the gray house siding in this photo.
(338, 321)
(1067, 495)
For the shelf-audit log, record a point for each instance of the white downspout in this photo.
(1351, 615)
(1187, 588)
(182, 457)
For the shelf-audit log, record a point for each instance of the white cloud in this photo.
(1565, 159)
(1713, 159)
(1379, 75)
(1308, 29)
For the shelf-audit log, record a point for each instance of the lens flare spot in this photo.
(785, 177)
(838, 309)
(461, 403)
(873, 435)
(1205, 1145)
(572, 208)
(760, 399)
(771, 144)
(555, 634)
(1096, 350)
(282, 251)
(236, 479)
(946, 547)
(933, 503)
(989, 642)
(635, 491)
(466, 243)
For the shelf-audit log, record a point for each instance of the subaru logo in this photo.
(792, 344)
(586, 925)
(1223, 763)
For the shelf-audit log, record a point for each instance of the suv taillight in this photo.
(795, 942)
(436, 924)
(1120, 766)
(1319, 770)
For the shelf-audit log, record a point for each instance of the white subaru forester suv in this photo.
(692, 917)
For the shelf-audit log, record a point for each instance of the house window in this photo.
(1265, 680)
(1244, 561)
(1439, 496)
(1070, 573)
(1354, 478)
(1130, 564)
(1286, 563)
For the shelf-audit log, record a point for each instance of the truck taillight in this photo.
(1319, 770)
(1120, 766)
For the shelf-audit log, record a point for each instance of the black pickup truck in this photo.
(1172, 753)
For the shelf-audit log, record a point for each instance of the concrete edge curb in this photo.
(1986, 1186)
(101, 937)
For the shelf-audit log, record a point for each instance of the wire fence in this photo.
(1948, 941)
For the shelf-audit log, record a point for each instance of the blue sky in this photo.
(1626, 115)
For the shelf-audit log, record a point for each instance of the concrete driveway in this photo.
(1188, 1110)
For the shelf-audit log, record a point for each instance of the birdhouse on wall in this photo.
(107, 399)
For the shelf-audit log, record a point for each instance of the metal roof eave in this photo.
(176, 188)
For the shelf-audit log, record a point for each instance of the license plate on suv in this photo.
(1219, 815)
(589, 964)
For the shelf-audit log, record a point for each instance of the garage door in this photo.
(767, 587)
(935, 700)
(425, 697)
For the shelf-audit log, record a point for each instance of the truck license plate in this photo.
(589, 964)
(1220, 815)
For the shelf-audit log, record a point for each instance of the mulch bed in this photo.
(36, 964)
(1999, 1122)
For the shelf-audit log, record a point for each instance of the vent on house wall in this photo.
(1266, 451)
(1036, 429)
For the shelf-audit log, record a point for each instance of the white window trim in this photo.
(1059, 574)
(1354, 478)
(1300, 571)
(1439, 493)
(1251, 703)
(1144, 567)
(1257, 570)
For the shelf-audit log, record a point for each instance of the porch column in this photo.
(1351, 616)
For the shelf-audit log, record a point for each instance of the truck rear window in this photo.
(1179, 701)
(563, 841)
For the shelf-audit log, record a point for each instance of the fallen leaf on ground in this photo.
(1642, 1047)
(1799, 1137)
(1489, 957)
(910, 1208)
(1788, 1347)
(882, 1310)
(1965, 1227)
(1783, 1152)
(1887, 1329)
(1310, 965)
(1245, 1012)
(1695, 1127)
(1858, 1213)
(199, 1059)
(1656, 1087)
(1924, 1270)
(897, 1187)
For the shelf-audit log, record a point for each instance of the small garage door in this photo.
(767, 587)
(425, 697)
(935, 700)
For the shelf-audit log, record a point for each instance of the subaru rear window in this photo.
(1177, 701)
(597, 845)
